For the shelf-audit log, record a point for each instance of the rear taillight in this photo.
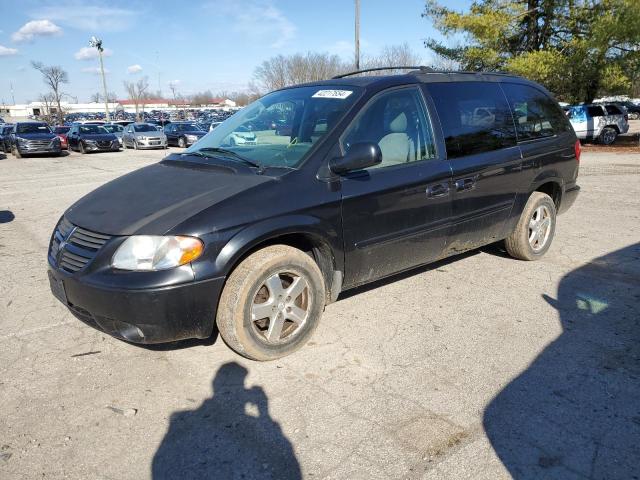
(578, 149)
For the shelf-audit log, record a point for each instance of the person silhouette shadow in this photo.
(574, 413)
(230, 436)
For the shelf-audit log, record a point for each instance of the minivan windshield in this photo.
(280, 128)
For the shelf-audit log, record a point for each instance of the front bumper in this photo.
(152, 143)
(31, 149)
(155, 315)
(95, 147)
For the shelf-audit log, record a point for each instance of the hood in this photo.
(99, 137)
(151, 133)
(36, 136)
(156, 198)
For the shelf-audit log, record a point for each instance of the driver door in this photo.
(395, 214)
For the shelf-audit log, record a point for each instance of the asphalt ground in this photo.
(477, 367)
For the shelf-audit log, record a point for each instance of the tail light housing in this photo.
(578, 149)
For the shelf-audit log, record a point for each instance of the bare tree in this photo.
(392, 56)
(47, 99)
(281, 71)
(54, 77)
(137, 92)
(99, 97)
(95, 98)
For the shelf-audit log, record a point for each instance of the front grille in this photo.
(104, 144)
(36, 144)
(72, 248)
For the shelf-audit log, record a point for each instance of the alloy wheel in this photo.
(539, 228)
(280, 308)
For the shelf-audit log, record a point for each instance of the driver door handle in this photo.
(438, 190)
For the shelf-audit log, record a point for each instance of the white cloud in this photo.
(6, 51)
(36, 28)
(134, 68)
(95, 70)
(90, 18)
(89, 53)
(258, 19)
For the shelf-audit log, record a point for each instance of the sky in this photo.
(199, 45)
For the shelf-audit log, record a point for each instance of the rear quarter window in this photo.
(613, 110)
(475, 117)
(536, 115)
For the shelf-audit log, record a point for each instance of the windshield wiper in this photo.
(232, 154)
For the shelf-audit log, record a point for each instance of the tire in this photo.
(519, 244)
(81, 148)
(182, 142)
(135, 145)
(608, 136)
(16, 152)
(274, 265)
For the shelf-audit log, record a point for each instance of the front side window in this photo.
(279, 129)
(536, 114)
(475, 117)
(397, 121)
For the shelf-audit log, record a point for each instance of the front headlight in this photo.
(92, 142)
(147, 252)
(142, 137)
(20, 139)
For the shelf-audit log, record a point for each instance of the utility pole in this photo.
(13, 98)
(357, 42)
(97, 44)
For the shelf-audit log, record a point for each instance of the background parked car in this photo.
(241, 136)
(214, 125)
(62, 131)
(5, 136)
(143, 135)
(33, 137)
(598, 122)
(86, 138)
(183, 134)
(116, 129)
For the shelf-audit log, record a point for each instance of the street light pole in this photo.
(357, 40)
(97, 44)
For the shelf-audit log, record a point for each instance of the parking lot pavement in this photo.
(476, 367)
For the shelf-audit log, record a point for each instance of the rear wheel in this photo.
(271, 303)
(534, 232)
(608, 135)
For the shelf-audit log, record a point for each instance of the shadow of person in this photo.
(230, 436)
(575, 411)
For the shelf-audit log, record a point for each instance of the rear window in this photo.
(536, 115)
(475, 117)
(612, 110)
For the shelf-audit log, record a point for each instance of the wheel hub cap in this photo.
(280, 307)
(539, 228)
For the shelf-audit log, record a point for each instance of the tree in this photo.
(137, 92)
(48, 100)
(392, 56)
(577, 48)
(54, 77)
(99, 97)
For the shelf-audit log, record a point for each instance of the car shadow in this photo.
(229, 436)
(575, 411)
(6, 216)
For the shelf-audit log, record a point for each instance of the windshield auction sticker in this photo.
(338, 94)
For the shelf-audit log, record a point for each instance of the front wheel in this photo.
(16, 152)
(534, 232)
(81, 148)
(271, 303)
(182, 142)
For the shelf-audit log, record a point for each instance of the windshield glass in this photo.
(188, 127)
(113, 128)
(279, 129)
(145, 128)
(92, 129)
(33, 128)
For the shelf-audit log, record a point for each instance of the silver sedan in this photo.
(143, 135)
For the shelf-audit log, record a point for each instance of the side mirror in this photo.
(359, 157)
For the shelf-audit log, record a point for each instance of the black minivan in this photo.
(377, 175)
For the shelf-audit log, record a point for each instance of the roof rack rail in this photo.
(419, 68)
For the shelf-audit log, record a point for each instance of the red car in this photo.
(61, 132)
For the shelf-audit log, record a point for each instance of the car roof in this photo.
(417, 77)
